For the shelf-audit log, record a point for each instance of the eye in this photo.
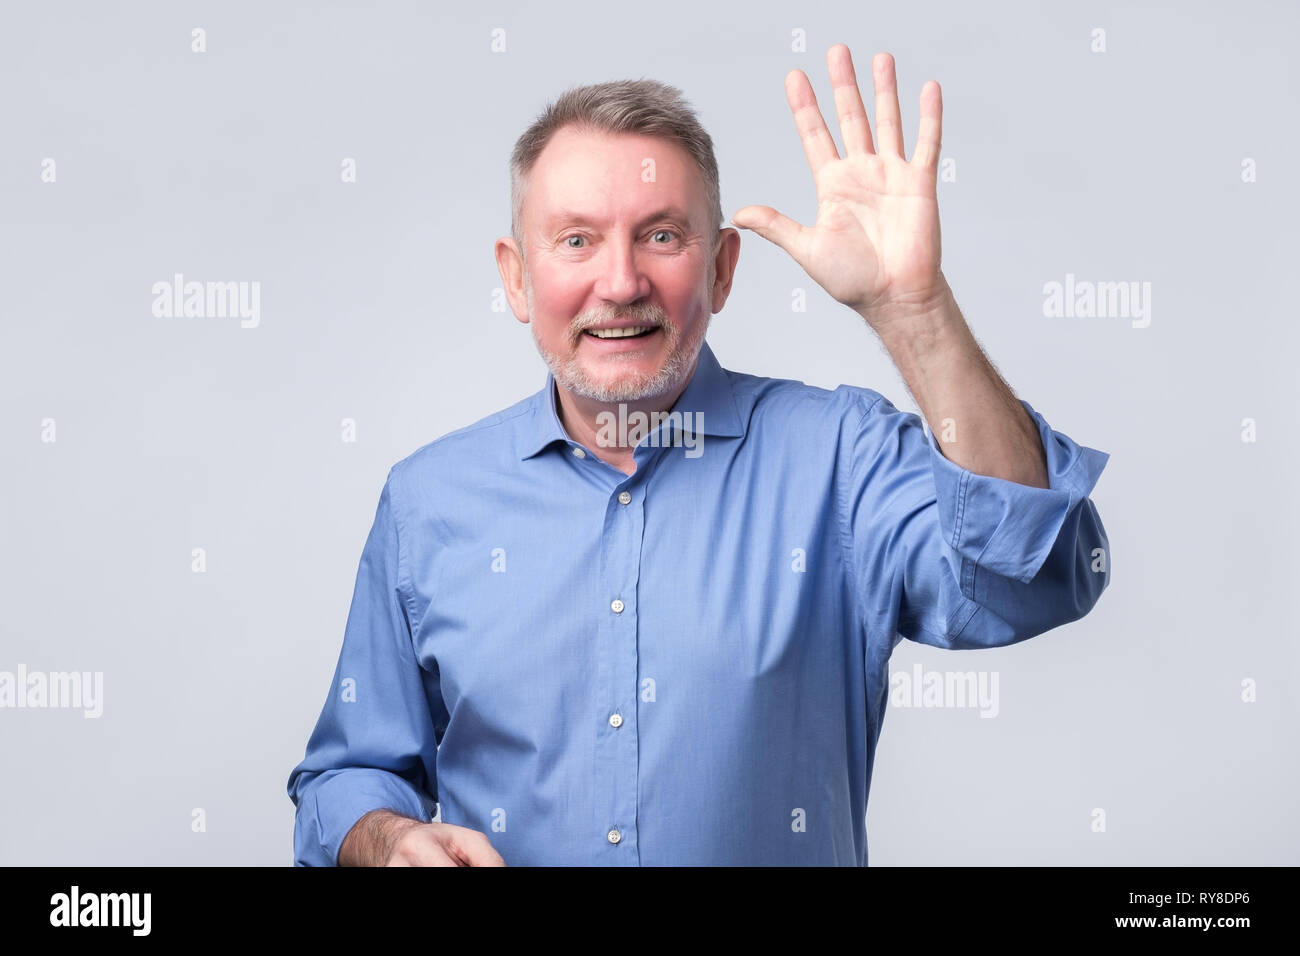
(664, 232)
(569, 241)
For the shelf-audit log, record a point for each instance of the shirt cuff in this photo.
(1006, 527)
(352, 793)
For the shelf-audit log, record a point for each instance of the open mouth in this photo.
(636, 332)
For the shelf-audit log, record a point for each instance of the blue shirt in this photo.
(683, 666)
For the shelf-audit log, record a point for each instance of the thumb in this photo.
(772, 226)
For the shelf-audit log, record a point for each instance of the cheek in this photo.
(558, 300)
(680, 286)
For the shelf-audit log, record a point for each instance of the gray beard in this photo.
(571, 375)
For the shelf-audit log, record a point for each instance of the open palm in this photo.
(875, 245)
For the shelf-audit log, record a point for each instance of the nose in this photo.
(620, 277)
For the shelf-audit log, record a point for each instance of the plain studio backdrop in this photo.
(1159, 151)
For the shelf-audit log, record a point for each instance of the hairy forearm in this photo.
(371, 840)
(979, 423)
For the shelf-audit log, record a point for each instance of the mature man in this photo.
(669, 644)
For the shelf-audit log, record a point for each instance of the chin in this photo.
(645, 383)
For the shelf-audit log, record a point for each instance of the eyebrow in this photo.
(564, 219)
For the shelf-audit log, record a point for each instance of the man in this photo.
(594, 634)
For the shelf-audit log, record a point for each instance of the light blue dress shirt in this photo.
(683, 666)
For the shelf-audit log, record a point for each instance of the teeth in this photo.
(619, 333)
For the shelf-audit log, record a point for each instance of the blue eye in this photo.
(668, 232)
(573, 237)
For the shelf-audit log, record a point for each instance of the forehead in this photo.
(610, 176)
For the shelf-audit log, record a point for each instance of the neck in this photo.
(580, 417)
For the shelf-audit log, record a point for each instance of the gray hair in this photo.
(645, 107)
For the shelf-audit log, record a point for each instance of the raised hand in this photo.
(875, 245)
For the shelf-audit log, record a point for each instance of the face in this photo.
(620, 274)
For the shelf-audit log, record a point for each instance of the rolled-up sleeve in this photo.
(374, 745)
(962, 560)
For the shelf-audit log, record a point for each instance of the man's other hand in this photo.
(385, 838)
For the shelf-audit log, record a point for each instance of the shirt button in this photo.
(624, 498)
(579, 453)
(616, 720)
(616, 606)
(613, 836)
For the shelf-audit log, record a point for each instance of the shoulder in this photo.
(790, 403)
(465, 454)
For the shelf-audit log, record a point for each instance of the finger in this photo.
(772, 226)
(434, 854)
(929, 137)
(426, 852)
(480, 851)
(889, 127)
(855, 128)
(816, 138)
(473, 848)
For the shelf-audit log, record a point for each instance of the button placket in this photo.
(617, 747)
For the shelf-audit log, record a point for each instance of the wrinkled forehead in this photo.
(613, 179)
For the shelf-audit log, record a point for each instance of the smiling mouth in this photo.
(629, 333)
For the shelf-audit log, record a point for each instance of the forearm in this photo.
(979, 423)
(371, 840)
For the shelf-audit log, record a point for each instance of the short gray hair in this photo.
(645, 107)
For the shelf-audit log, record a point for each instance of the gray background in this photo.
(377, 305)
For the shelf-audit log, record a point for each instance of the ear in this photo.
(724, 264)
(511, 266)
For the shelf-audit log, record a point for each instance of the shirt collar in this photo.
(709, 394)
